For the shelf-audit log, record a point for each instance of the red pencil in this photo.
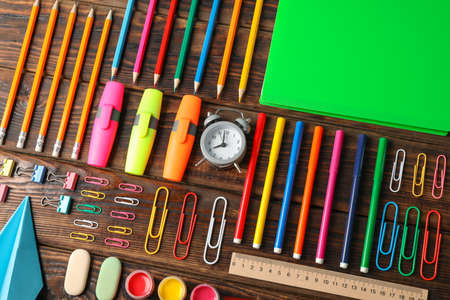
(165, 41)
(257, 139)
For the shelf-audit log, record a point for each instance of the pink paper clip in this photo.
(3, 192)
(436, 185)
(129, 187)
(96, 180)
(187, 241)
(123, 215)
(116, 242)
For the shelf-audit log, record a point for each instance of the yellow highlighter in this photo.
(273, 158)
(144, 132)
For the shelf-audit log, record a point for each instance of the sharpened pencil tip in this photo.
(155, 80)
(196, 87)
(55, 5)
(241, 95)
(91, 13)
(74, 7)
(176, 83)
(109, 16)
(135, 77)
(219, 90)
(36, 3)
(113, 73)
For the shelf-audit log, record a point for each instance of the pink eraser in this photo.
(106, 124)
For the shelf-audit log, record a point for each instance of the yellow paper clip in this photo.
(152, 221)
(93, 194)
(419, 184)
(87, 237)
(7, 167)
(120, 230)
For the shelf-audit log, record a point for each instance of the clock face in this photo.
(223, 143)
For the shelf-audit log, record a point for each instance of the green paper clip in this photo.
(7, 167)
(89, 208)
(413, 255)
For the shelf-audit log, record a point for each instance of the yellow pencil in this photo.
(38, 75)
(19, 68)
(73, 83)
(56, 78)
(250, 48)
(267, 190)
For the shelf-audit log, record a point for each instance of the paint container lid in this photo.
(172, 288)
(139, 284)
(204, 292)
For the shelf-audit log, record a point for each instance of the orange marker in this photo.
(19, 68)
(56, 78)
(182, 138)
(73, 83)
(38, 75)
(312, 166)
(92, 84)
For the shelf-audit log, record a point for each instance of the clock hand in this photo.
(220, 145)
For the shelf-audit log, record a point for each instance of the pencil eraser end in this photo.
(343, 265)
(364, 270)
(237, 241)
(319, 260)
(277, 250)
(256, 246)
(296, 256)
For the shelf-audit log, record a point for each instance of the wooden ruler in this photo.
(321, 280)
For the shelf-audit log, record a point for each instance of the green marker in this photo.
(144, 132)
(185, 45)
(372, 217)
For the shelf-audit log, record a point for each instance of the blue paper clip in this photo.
(63, 205)
(37, 173)
(393, 244)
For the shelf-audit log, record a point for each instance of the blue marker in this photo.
(206, 44)
(353, 198)
(122, 38)
(295, 151)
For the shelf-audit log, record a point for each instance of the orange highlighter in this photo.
(182, 138)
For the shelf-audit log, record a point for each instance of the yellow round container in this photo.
(172, 288)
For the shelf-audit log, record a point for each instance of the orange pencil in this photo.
(19, 68)
(56, 78)
(73, 83)
(312, 166)
(228, 46)
(92, 83)
(38, 75)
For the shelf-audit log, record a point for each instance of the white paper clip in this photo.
(397, 178)
(218, 244)
(85, 223)
(126, 201)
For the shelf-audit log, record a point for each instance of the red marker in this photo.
(240, 224)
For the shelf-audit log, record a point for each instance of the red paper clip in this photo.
(123, 215)
(186, 242)
(129, 187)
(436, 185)
(3, 192)
(437, 246)
(116, 242)
(96, 180)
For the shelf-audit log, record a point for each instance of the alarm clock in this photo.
(224, 143)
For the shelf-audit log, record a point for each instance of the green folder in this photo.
(379, 61)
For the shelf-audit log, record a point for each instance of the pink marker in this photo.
(106, 124)
(334, 168)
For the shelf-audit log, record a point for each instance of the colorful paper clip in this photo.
(3, 192)
(96, 180)
(413, 255)
(152, 221)
(37, 173)
(187, 241)
(116, 242)
(421, 183)
(126, 201)
(397, 178)
(89, 208)
(85, 223)
(69, 180)
(123, 215)
(437, 246)
(129, 187)
(440, 185)
(393, 244)
(7, 167)
(93, 194)
(119, 230)
(87, 237)
(63, 205)
(218, 245)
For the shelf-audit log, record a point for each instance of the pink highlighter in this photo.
(106, 124)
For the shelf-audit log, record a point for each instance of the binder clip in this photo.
(63, 205)
(187, 241)
(7, 167)
(437, 246)
(37, 173)
(218, 245)
(393, 244)
(413, 255)
(394, 177)
(69, 181)
(152, 222)
(3, 192)
(439, 186)
(419, 184)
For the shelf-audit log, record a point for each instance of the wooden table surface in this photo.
(52, 229)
